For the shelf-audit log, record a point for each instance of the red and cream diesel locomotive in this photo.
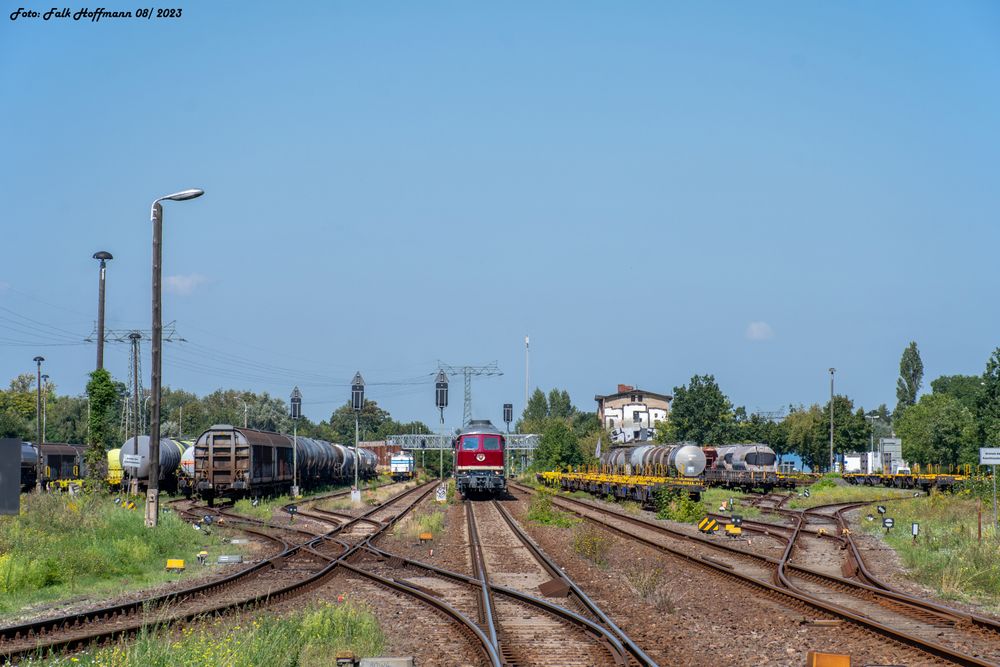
(479, 459)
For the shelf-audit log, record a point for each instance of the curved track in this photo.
(928, 627)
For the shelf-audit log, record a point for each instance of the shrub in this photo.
(541, 511)
(677, 505)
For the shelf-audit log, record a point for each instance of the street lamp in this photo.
(45, 407)
(38, 424)
(358, 403)
(103, 256)
(832, 371)
(295, 412)
(873, 416)
(441, 401)
(153, 492)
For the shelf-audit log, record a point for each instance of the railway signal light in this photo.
(358, 392)
(295, 411)
(441, 391)
(508, 413)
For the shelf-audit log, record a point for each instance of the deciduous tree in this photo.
(700, 412)
(938, 430)
(911, 375)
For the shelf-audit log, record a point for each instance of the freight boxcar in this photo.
(233, 462)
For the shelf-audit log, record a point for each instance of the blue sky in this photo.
(649, 190)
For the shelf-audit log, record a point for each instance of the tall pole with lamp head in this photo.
(103, 256)
(38, 424)
(295, 413)
(153, 491)
(832, 371)
(45, 407)
(872, 417)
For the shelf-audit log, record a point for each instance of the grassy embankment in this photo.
(308, 638)
(86, 546)
(827, 490)
(947, 555)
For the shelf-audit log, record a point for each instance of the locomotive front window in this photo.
(491, 443)
(470, 443)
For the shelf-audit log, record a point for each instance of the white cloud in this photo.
(759, 331)
(184, 285)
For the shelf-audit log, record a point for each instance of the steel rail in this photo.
(42, 628)
(556, 573)
(479, 569)
(927, 646)
(597, 631)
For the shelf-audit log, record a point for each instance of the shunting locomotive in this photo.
(479, 459)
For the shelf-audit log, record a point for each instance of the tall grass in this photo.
(310, 638)
(712, 499)
(60, 546)
(423, 521)
(822, 493)
(541, 510)
(946, 555)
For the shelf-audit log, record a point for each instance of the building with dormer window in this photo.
(631, 414)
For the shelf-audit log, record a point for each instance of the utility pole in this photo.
(38, 424)
(873, 417)
(245, 410)
(832, 371)
(468, 372)
(525, 372)
(103, 256)
(135, 337)
(508, 417)
(45, 407)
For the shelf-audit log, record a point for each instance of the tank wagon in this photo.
(672, 460)
(170, 461)
(233, 462)
(754, 457)
(479, 459)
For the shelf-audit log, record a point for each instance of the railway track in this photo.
(296, 569)
(931, 628)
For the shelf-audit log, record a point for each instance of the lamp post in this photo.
(832, 371)
(153, 492)
(245, 411)
(872, 417)
(357, 402)
(45, 407)
(441, 402)
(103, 256)
(295, 411)
(38, 424)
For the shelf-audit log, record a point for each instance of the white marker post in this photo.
(991, 456)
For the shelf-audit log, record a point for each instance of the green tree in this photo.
(989, 401)
(558, 447)
(103, 397)
(804, 436)
(938, 430)
(850, 429)
(700, 412)
(537, 409)
(560, 405)
(967, 389)
(911, 376)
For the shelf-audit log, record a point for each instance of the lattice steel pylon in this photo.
(467, 372)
